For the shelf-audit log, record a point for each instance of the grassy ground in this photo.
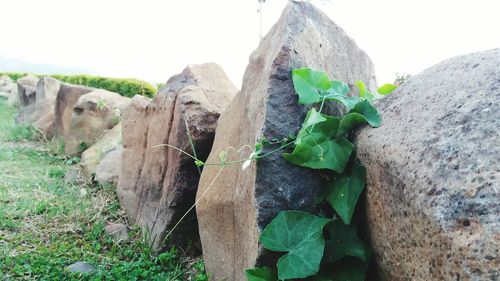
(48, 222)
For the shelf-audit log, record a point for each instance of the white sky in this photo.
(153, 40)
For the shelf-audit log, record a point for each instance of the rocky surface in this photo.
(26, 88)
(66, 98)
(40, 115)
(158, 184)
(93, 115)
(432, 183)
(91, 157)
(241, 203)
(80, 267)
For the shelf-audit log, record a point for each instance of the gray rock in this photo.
(117, 231)
(108, 169)
(433, 170)
(80, 267)
(158, 184)
(241, 203)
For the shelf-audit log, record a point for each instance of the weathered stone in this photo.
(93, 115)
(93, 155)
(108, 170)
(241, 203)
(67, 96)
(158, 184)
(47, 88)
(40, 115)
(26, 88)
(80, 267)
(9, 91)
(117, 231)
(432, 182)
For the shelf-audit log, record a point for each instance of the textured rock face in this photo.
(47, 88)
(158, 184)
(432, 182)
(67, 96)
(93, 115)
(95, 154)
(8, 90)
(242, 203)
(26, 88)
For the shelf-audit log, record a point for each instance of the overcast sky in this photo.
(153, 40)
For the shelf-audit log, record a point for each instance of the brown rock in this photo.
(93, 115)
(117, 231)
(94, 155)
(241, 203)
(26, 88)
(432, 181)
(66, 98)
(158, 184)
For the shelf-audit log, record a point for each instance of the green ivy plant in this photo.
(317, 247)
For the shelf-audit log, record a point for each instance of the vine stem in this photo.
(195, 203)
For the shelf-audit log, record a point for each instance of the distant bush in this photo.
(122, 86)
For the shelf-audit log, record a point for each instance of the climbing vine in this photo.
(319, 247)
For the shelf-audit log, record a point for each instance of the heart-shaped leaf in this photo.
(343, 242)
(344, 191)
(301, 235)
(308, 83)
(317, 148)
(386, 89)
(340, 87)
(332, 95)
(261, 274)
(362, 113)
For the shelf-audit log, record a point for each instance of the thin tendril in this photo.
(194, 205)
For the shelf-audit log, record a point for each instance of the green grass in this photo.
(48, 223)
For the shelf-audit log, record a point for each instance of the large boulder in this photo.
(96, 153)
(67, 96)
(158, 184)
(432, 182)
(241, 203)
(47, 88)
(93, 115)
(26, 88)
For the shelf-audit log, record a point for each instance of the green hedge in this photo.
(125, 87)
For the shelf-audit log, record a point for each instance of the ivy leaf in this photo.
(317, 148)
(343, 242)
(308, 83)
(362, 113)
(313, 117)
(301, 235)
(340, 87)
(261, 274)
(386, 89)
(344, 191)
(363, 92)
(347, 269)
